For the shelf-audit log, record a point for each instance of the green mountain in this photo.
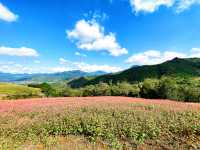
(175, 67)
(45, 77)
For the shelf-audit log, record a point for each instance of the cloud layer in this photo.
(89, 35)
(151, 57)
(6, 14)
(12, 67)
(22, 51)
(150, 6)
(69, 65)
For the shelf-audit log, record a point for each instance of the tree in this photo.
(150, 88)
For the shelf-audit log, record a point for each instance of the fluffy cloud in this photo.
(6, 14)
(151, 57)
(152, 5)
(69, 65)
(149, 5)
(89, 35)
(22, 51)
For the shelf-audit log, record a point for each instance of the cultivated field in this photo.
(99, 123)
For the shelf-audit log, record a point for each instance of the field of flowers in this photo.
(99, 123)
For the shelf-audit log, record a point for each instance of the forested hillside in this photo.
(177, 67)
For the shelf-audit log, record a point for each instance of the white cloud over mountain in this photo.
(6, 14)
(69, 65)
(151, 57)
(90, 36)
(12, 67)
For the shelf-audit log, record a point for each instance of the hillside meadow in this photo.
(14, 91)
(99, 123)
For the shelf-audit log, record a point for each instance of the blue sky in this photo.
(90, 35)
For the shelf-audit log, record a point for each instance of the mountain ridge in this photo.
(46, 77)
(174, 67)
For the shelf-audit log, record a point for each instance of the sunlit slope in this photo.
(8, 89)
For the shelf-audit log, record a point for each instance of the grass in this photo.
(128, 126)
(9, 90)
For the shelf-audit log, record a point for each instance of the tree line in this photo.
(174, 88)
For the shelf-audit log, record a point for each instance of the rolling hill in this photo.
(9, 89)
(175, 67)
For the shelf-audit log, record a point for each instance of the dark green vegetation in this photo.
(126, 127)
(176, 67)
(51, 77)
(179, 89)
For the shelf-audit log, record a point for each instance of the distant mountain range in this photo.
(176, 67)
(46, 77)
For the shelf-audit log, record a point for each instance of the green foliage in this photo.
(102, 89)
(150, 88)
(168, 89)
(174, 88)
(88, 90)
(46, 88)
(125, 89)
(69, 92)
(180, 89)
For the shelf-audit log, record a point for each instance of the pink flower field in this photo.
(41, 103)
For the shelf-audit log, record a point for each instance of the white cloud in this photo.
(151, 6)
(89, 35)
(151, 57)
(6, 14)
(14, 68)
(186, 4)
(91, 68)
(96, 15)
(62, 61)
(195, 52)
(69, 65)
(22, 51)
(80, 54)
(65, 65)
